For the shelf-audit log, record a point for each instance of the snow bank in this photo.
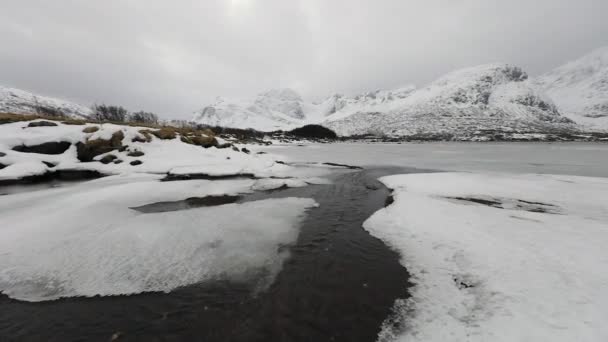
(500, 258)
(84, 240)
(160, 156)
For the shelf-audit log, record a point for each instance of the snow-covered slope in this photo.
(488, 97)
(496, 257)
(285, 109)
(22, 102)
(339, 106)
(580, 89)
(269, 111)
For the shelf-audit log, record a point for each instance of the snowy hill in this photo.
(22, 102)
(271, 110)
(580, 89)
(494, 97)
(285, 109)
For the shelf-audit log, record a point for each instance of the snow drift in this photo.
(499, 258)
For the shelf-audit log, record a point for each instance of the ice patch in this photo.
(85, 241)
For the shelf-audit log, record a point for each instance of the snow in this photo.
(484, 273)
(84, 240)
(584, 159)
(21, 102)
(23, 169)
(580, 89)
(161, 156)
(273, 183)
(485, 97)
(269, 111)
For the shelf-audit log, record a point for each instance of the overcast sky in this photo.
(174, 57)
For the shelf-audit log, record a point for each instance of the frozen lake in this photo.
(340, 282)
(582, 159)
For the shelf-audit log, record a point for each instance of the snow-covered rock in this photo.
(580, 89)
(499, 257)
(160, 156)
(22, 102)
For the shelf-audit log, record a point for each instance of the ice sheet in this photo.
(85, 241)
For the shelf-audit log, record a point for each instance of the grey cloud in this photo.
(174, 57)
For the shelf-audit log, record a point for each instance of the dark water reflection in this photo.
(339, 284)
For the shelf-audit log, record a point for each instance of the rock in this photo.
(236, 149)
(42, 124)
(117, 161)
(165, 133)
(107, 159)
(261, 153)
(2, 166)
(135, 154)
(145, 137)
(91, 148)
(90, 129)
(136, 162)
(314, 131)
(74, 122)
(204, 141)
(46, 148)
(245, 150)
(49, 164)
(2, 154)
(199, 139)
(224, 145)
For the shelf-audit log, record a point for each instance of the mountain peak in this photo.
(580, 88)
(18, 101)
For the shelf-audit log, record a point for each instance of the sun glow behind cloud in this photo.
(239, 5)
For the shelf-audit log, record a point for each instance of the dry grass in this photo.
(201, 137)
(90, 129)
(91, 148)
(165, 133)
(6, 118)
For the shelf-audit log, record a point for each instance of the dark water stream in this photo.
(339, 284)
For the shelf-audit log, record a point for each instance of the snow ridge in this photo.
(580, 88)
(488, 97)
(491, 97)
(22, 102)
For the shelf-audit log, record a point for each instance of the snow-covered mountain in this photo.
(494, 97)
(285, 109)
(580, 89)
(22, 102)
(268, 111)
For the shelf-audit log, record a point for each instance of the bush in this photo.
(314, 131)
(144, 117)
(109, 113)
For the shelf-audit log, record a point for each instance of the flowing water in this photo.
(339, 284)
